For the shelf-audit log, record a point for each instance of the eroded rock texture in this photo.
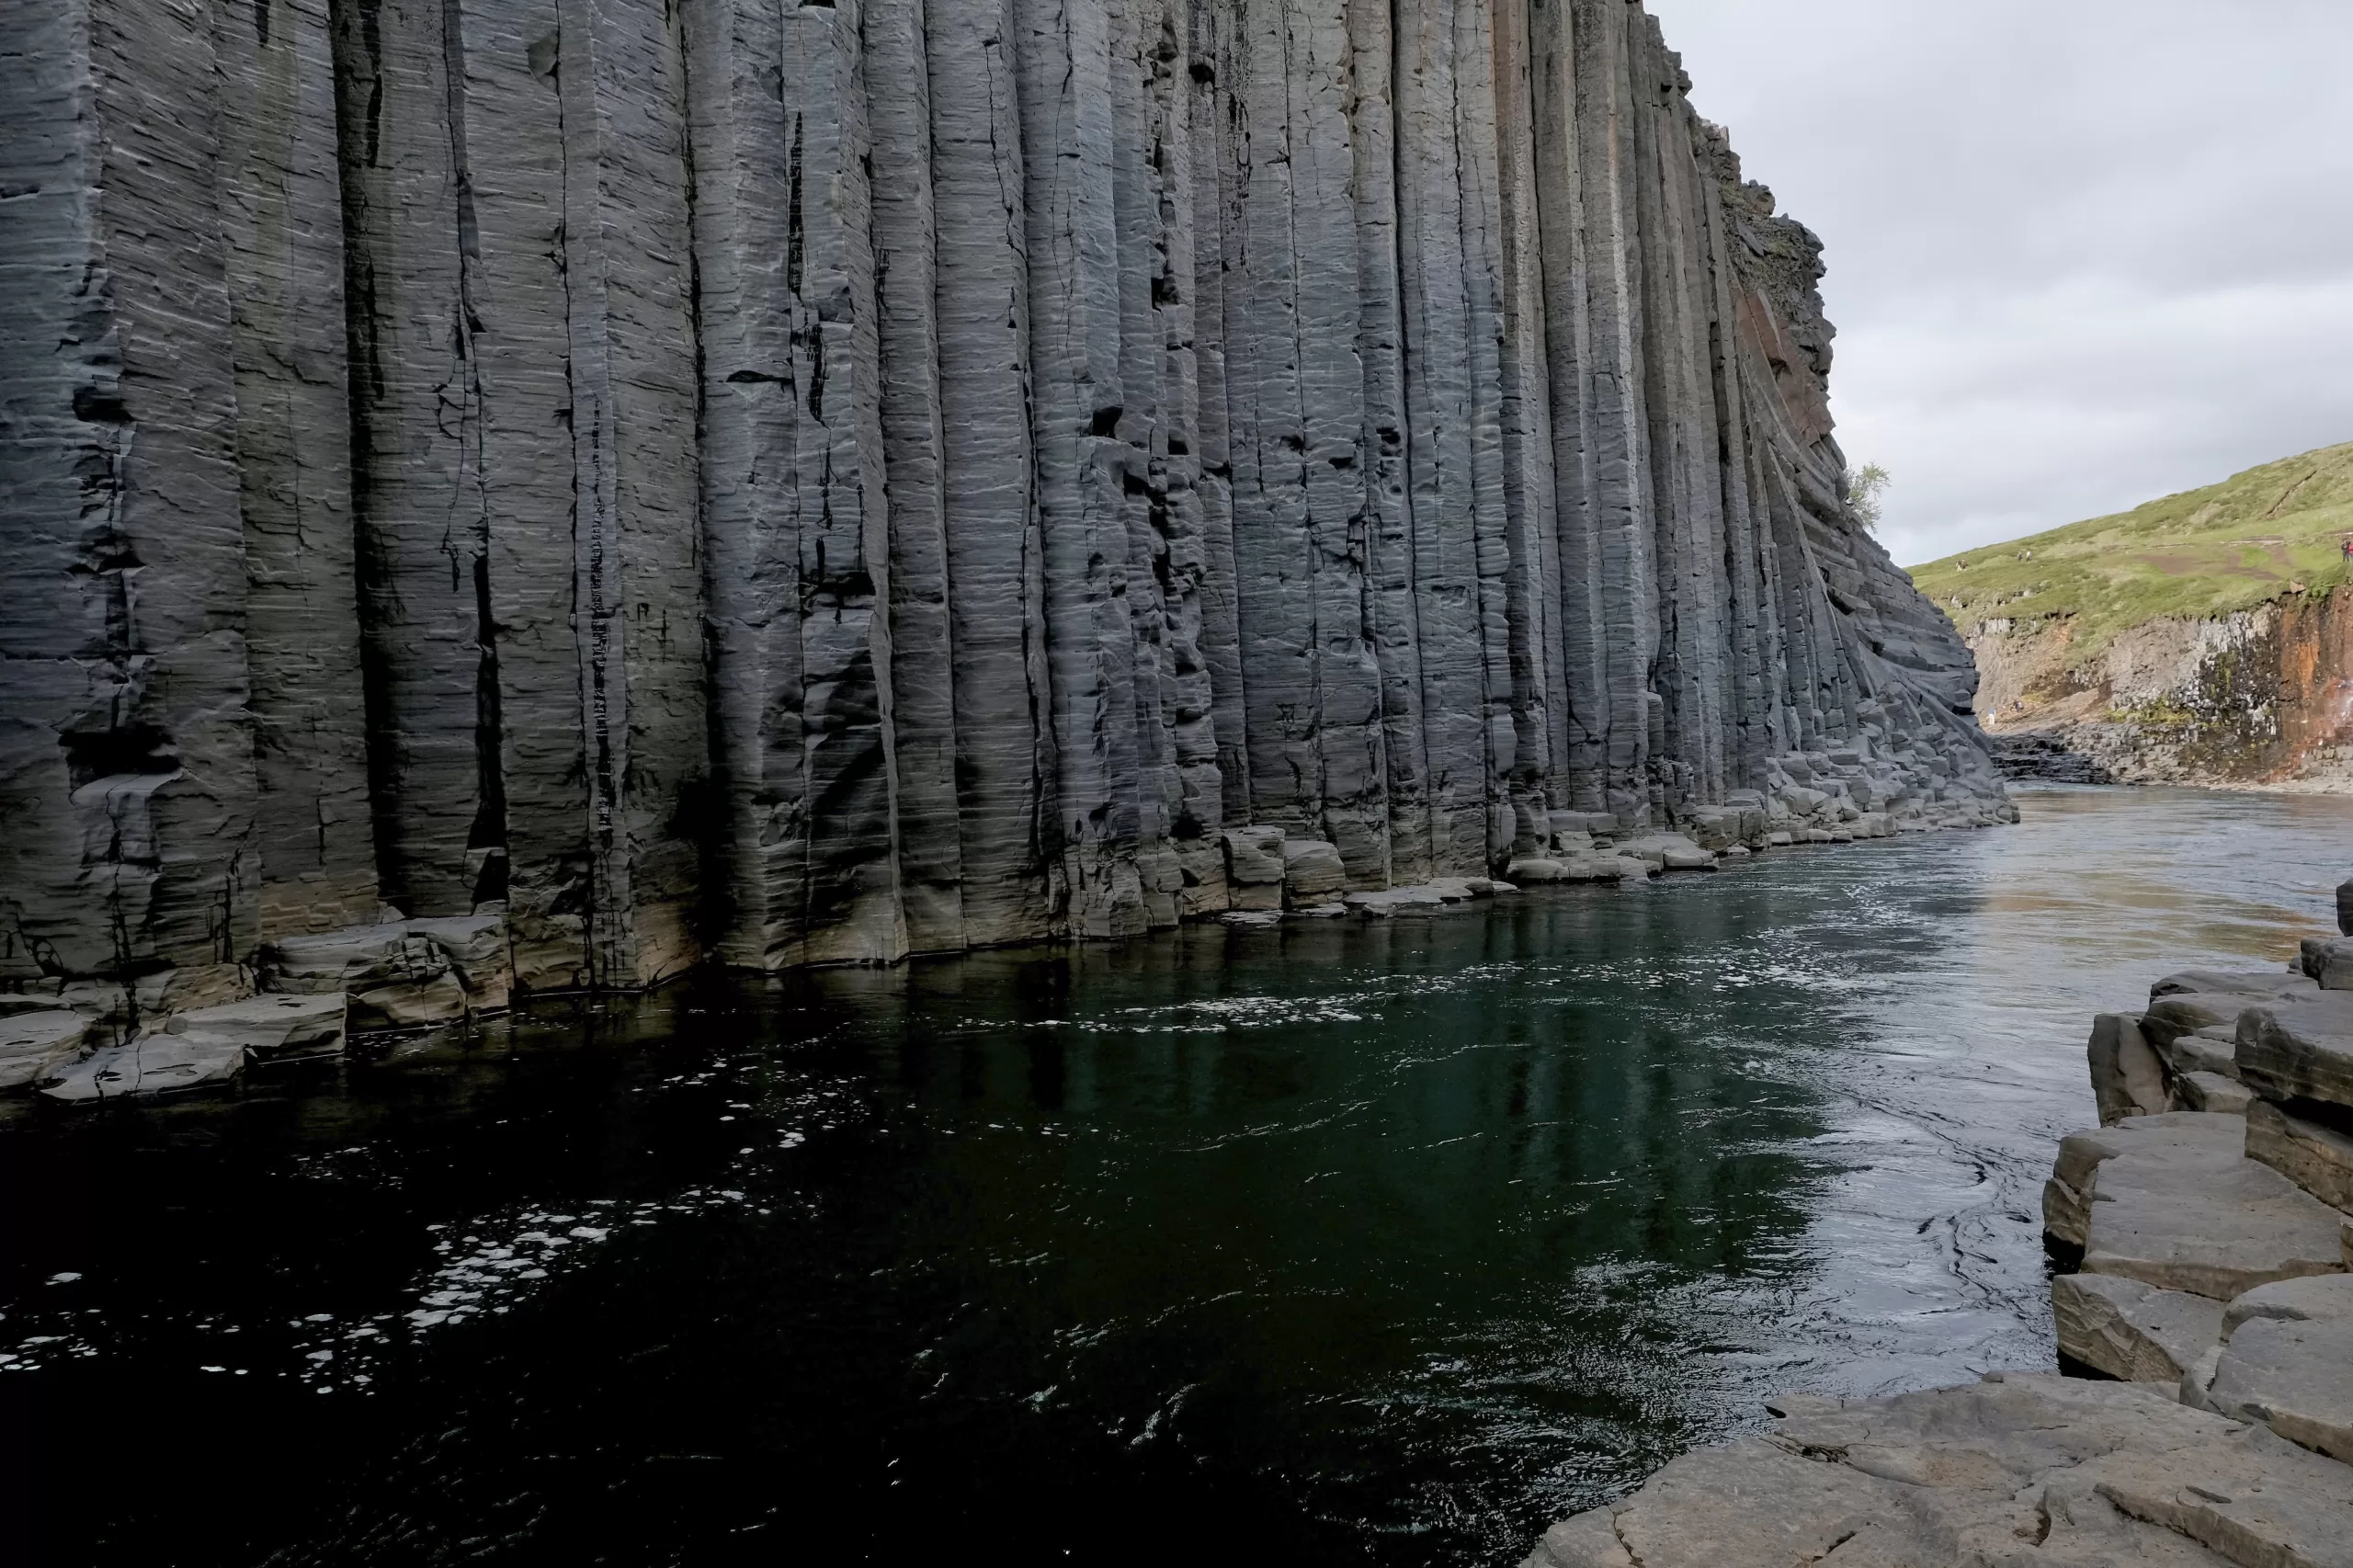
(821, 482)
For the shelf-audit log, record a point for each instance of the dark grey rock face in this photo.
(826, 482)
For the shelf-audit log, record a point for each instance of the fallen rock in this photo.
(2344, 908)
(2208, 1050)
(2186, 1012)
(2298, 1050)
(1533, 871)
(1254, 867)
(2133, 1332)
(2128, 1077)
(2318, 1159)
(2288, 1363)
(1312, 873)
(33, 1045)
(2017, 1470)
(2328, 961)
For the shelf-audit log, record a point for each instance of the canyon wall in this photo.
(832, 481)
(2262, 696)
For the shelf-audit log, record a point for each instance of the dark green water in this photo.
(1379, 1244)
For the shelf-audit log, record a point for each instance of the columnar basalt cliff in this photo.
(831, 481)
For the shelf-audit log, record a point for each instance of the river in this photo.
(1338, 1244)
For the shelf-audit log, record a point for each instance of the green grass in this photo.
(2205, 553)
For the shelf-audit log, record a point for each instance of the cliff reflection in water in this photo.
(1346, 1242)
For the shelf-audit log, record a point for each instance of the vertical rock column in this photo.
(1005, 758)
(795, 514)
(923, 664)
(1063, 58)
(126, 753)
(283, 212)
(421, 520)
(1387, 504)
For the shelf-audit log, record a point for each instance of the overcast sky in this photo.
(2083, 252)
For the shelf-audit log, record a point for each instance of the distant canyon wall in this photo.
(2263, 696)
(831, 481)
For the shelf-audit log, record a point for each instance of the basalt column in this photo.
(127, 776)
(786, 484)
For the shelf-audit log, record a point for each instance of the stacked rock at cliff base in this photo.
(827, 484)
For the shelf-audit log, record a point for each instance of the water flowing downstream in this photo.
(1346, 1242)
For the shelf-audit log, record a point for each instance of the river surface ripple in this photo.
(1344, 1243)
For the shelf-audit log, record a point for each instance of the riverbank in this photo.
(2205, 1306)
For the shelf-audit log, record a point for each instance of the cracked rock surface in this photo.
(702, 478)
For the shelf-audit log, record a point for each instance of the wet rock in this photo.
(1533, 871)
(2298, 1050)
(2317, 1158)
(2131, 1331)
(2018, 1470)
(33, 1044)
(2344, 908)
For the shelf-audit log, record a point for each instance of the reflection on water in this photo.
(1353, 1243)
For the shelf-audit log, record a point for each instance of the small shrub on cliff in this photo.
(1867, 494)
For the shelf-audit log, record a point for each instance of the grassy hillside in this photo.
(2205, 553)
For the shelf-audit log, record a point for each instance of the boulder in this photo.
(2182, 1219)
(1530, 871)
(2179, 1013)
(2131, 1331)
(2019, 1470)
(475, 946)
(353, 960)
(1254, 867)
(2206, 1051)
(2287, 1361)
(2298, 1050)
(2344, 908)
(1312, 873)
(2328, 962)
(2318, 1159)
(2128, 1079)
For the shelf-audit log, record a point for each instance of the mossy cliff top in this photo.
(2269, 531)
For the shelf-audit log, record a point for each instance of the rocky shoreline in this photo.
(311, 996)
(2204, 1410)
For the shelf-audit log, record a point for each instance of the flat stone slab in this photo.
(2318, 1159)
(2181, 1013)
(2266, 984)
(34, 1045)
(2289, 1362)
(2299, 1050)
(2067, 1198)
(2133, 1332)
(2024, 1471)
(208, 1045)
(2181, 1218)
(2214, 1092)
